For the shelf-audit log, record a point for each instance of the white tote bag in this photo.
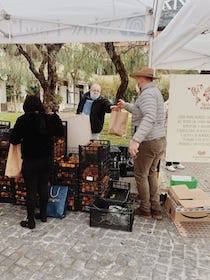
(78, 131)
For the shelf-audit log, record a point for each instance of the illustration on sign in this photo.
(201, 94)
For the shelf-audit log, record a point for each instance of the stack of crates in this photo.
(126, 163)
(65, 173)
(20, 191)
(20, 188)
(115, 156)
(94, 171)
(6, 184)
(3, 159)
(59, 148)
(6, 189)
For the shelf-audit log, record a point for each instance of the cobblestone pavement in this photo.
(70, 249)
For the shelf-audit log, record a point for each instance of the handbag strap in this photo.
(51, 192)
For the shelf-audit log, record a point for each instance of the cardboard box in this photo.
(188, 205)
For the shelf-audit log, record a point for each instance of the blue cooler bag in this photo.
(57, 202)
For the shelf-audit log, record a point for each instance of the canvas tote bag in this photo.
(118, 123)
(14, 161)
(78, 131)
(57, 202)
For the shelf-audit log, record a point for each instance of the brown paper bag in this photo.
(14, 161)
(118, 123)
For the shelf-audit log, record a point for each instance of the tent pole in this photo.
(150, 51)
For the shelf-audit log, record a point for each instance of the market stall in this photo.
(65, 21)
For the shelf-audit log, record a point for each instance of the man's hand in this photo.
(121, 104)
(114, 108)
(133, 147)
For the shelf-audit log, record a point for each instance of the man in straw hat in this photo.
(148, 141)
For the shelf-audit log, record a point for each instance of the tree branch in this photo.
(110, 48)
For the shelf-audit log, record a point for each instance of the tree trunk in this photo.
(109, 46)
(49, 101)
(47, 80)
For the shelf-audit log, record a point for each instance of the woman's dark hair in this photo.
(33, 103)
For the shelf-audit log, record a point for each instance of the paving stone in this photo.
(68, 249)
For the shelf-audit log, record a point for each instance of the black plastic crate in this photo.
(64, 172)
(20, 198)
(124, 155)
(73, 203)
(115, 173)
(94, 171)
(86, 199)
(5, 129)
(3, 159)
(59, 149)
(20, 193)
(115, 152)
(115, 217)
(94, 187)
(118, 193)
(95, 152)
(114, 163)
(5, 181)
(126, 170)
(5, 124)
(4, 152)
(6, 190)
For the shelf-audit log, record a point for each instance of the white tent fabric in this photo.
(185, 42)
(63, 21)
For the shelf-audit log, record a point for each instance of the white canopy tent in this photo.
(64, 21)
(185, 42)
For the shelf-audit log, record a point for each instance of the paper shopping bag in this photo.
(118, 123)
(14, 161)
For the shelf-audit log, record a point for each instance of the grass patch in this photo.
(7, 116)
(114, 140)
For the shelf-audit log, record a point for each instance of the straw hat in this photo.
(144, 72)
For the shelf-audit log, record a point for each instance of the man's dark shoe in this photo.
(28, 224)
(139, 212)
(157, 215)
(42, 219)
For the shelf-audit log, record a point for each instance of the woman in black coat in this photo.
(35, 131)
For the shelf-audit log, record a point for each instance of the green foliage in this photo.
(134, 55)
(33, 90)
(163, 85)
(9, 90)
(15, 70)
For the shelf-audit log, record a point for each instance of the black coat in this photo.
(35, 132)
(99, 107)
